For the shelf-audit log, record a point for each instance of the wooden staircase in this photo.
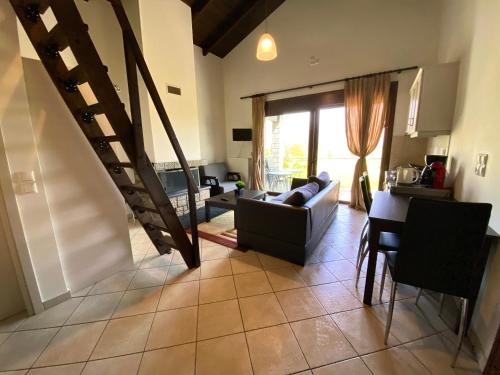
(146, 197)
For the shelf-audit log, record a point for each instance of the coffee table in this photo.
(229, 200)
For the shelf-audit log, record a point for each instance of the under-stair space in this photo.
(62, 42)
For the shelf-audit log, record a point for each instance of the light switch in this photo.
(481, 161)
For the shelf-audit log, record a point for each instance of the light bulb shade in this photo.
(266, 49)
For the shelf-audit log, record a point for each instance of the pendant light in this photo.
(266, 48)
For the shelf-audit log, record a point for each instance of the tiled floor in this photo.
(239, 313)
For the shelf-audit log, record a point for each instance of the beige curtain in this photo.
(258, 114)
(366, 101)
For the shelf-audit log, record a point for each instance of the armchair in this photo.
(218, 178)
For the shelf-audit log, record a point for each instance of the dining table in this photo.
(388, 214)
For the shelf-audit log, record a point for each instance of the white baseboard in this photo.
(57, 300)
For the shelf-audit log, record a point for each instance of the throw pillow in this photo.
(302, 194)
(322, 180)
(282, 197)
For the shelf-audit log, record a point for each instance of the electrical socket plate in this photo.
(481, 161)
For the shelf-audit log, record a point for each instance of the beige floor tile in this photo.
(115, 283)
(342, 269)
(363, 330)
(275, 350)
(217, 289)
(179, 295)
(315, 274)
(300, 304)
(261, 311)
(177, 259)
(21, 349)
(215, 268)
(82, 292)
(94, 308)
(429, 308)
(181, 273)
(18, 372)
(138, 301)
(71, 344)
(269, 262)
(53, 317)
(214, 251)
(335, 297)
(250, 284)
(223, 355)
(154, 260)
(178, 360)
(234, 253)
(353, 366)
(12, 323)
(123, 336)
(149, 277)
(219, 319)
(72, 369)
(408, 323)
(245, 264)
(394, 361)
(124, 365)
(4, 337)
(284, 278)
(321, 341)
(436, 353)
(173, 327)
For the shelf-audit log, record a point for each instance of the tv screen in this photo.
(242, 134)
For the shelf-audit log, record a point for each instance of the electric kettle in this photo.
(407, 175)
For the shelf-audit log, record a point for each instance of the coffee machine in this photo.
(428, 173)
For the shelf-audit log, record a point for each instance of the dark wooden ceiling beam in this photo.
(230, 24)
(198, 7)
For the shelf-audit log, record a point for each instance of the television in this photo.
(242, 135)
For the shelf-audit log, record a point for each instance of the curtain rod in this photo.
(328, 82)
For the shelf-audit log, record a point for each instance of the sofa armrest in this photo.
(277, 221)
(233, 176)
(209, 180)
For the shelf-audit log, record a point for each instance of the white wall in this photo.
(471, 34)
(350, 37)
(210, 98)
(87, 213)
(167, 41)
(22, 155)
(87, 210)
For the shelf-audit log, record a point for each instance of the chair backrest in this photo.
(442, 246)
(218, 170)
(364, 192)
(368, 186)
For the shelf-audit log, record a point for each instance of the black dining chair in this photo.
(387, 242)
(441, 250)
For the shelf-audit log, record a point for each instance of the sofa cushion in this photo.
(302, 194)
(322, 180)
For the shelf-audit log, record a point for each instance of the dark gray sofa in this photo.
(218, 178)
(284, 231)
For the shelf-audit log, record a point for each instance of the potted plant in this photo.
(239, 186)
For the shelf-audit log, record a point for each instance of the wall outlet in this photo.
(481, 161)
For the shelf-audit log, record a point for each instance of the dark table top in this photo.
(232, 198)
(393, 208)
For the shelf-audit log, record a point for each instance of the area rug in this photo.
(220, 230)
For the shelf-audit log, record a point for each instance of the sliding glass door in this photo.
(286, 148)
(306, 135)
(334, 156)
